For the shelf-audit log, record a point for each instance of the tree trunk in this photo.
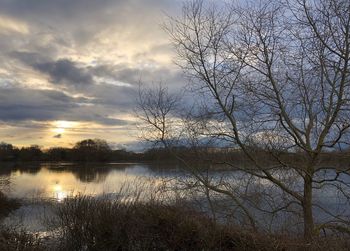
(307, 209)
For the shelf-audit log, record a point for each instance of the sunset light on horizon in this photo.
(70, 69)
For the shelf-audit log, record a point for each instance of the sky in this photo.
(69, 70)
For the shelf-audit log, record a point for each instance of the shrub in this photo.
(88, 223)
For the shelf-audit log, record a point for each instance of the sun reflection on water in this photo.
(58, 182)
(59, 193)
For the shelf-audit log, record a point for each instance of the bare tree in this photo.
(274, 76)
(157, 109)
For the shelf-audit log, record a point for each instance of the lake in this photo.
(39, 184)
(57, 181)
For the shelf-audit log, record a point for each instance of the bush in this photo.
(101, 224)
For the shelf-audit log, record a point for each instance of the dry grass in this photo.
(7, 205)
(12, 239)
(87, 223)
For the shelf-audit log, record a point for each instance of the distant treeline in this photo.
(86, 150)
(97, 150)
(89, 150)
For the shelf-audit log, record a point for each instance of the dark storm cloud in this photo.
(62, 71)
(29, 58)
(65, 71)
(18, 104)
(107, 98)
(22, 104)
(122, 98)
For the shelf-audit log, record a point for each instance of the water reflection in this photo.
(59, 193)
(59, 180)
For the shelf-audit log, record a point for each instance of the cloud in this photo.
(65, 71)
(18, 104)
(133, 75)
(58, 136)
(68, 72)
(9, 25)
(62, 71)
(80, 61)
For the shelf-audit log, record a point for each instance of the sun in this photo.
(61, 126)
(59, 130)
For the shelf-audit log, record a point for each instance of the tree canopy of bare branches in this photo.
(273, 75)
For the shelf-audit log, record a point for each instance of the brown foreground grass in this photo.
(7, 205)
(92, 224)
(13, 239)
(86, 223)
(101, 224)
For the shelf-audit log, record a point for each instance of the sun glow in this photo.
(61, 126)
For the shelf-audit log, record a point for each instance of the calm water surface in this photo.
(59, 180)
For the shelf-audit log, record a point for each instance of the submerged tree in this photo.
(274, 75)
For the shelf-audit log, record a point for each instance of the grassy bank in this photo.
(105, 225)
(15, 238)
(100, 224)
(7, 205)
(87, 223)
